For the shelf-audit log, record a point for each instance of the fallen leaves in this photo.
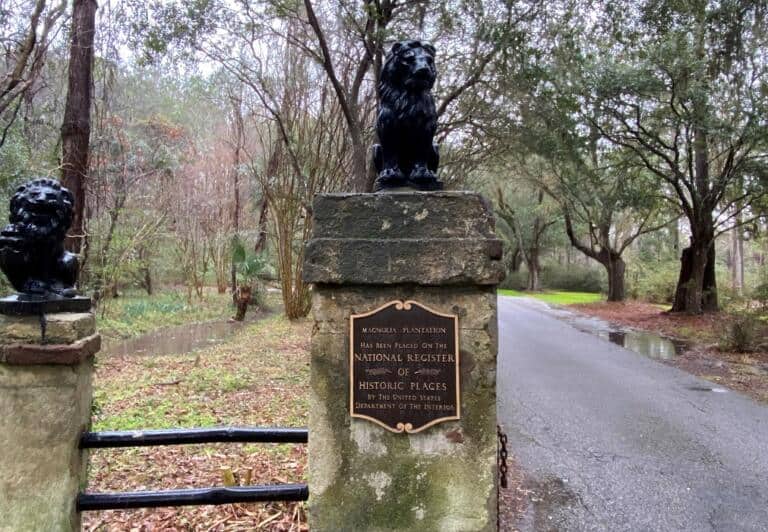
(258, 378)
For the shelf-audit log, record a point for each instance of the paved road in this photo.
(611, 440)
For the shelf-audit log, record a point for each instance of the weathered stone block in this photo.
(55, 354)
(363, 477)
(443, 238)
(403, 215)
(68, 327)
(45, 405)
(19, 329)
(376, 261)
(368, 250)
(475, 306)
(59, 328)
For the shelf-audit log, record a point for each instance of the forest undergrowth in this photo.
(257, 378)
(134, 313)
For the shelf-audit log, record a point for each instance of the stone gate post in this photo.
(46, 366)
(438, 249)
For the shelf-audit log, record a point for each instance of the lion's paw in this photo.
(422, 173)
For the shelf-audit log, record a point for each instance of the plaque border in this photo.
(405, 427)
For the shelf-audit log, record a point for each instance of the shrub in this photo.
(654, 282)
(515, 280)
(573, 278)
(760, 295)
(164, 303)
(258, 295)
(557, 277)
(741, 334)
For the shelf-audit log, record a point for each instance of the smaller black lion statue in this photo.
(407, 119)
(32, 253)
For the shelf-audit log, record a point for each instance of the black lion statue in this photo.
(407, 119)
(32, 253)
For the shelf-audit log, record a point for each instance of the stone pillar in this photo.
(437, 248)
(45, 404)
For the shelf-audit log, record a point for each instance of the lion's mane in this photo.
(407, 118)
(32, 253)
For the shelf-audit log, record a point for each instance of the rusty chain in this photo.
(502, 456)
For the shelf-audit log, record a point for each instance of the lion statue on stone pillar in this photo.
(407, 120)
(32, 253)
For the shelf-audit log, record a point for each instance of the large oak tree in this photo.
(686, 94)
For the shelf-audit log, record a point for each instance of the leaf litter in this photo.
(259, 377)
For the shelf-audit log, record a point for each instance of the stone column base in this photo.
(45, 405)
(366, 250)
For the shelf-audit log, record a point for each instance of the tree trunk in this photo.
(615, 267)
(534, 269)
(362, 177)
(239, 134)
(236, 221)
(675, 227)
(683, 280)
(148, 280)
(515, 261)
(737, 260)
(534, 284)
(242, 299)
(694, 295)
(76, 127)
(261, 238)
(146, 273)
(696, 286)
(709, 302)
(606, 255)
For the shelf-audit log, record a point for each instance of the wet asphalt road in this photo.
(610, 440)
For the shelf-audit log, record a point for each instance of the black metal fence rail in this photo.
(140, 438)
(188, 497)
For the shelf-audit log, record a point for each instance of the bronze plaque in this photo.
(404, 366)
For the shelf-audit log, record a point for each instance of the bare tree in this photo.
(76, 127)
(302, 152)
(129, 174)
(237, 143)
(23, 44)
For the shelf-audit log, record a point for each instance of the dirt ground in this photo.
(257, 378)
(514, 498)
(700, 336)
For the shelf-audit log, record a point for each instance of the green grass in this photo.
(557, 298)
(156, 415)
(257, 377)
(136, 313)
(239, 381)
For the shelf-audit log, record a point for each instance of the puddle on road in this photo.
(174, 340)
(707, 389)
(647, 344)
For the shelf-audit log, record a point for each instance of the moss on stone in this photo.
(372, 479)
(363, 477)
